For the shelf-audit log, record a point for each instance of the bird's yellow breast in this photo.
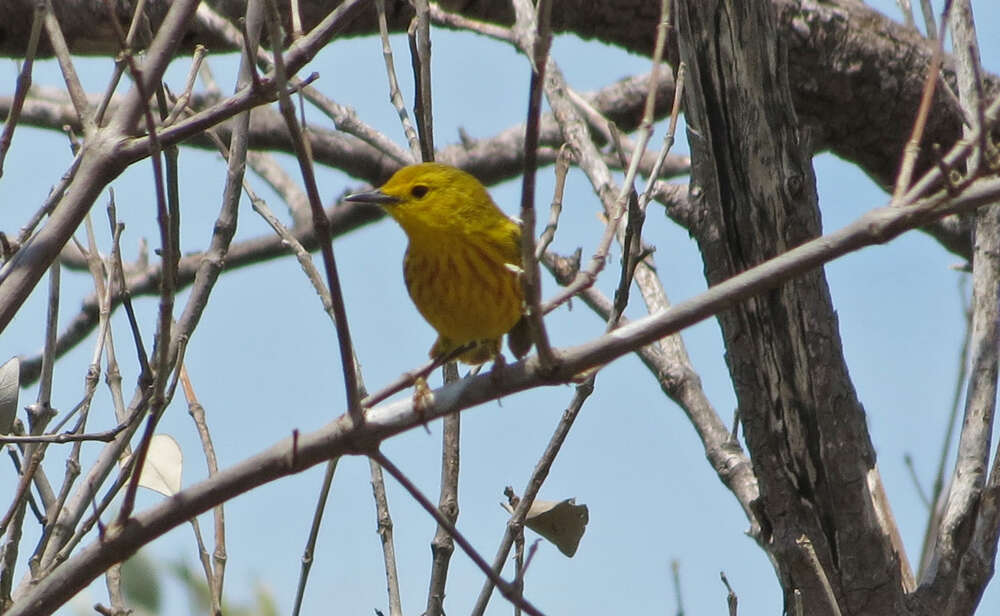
(463, 287)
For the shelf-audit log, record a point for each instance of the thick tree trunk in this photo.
(753, 184)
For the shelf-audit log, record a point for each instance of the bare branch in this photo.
(537, 30)
(23, 84)
(394, 94)
(442, 545)
(954, 562)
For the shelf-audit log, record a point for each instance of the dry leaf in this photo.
(562, 523)
(10, 374)
(164, 462)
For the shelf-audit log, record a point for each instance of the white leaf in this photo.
(162, 471)
(10, 373)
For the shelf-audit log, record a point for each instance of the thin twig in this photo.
(23, 84)
(731, 600)
(216, 575)
(937, 487)
(43, 402)
(307, 554)
(116, 279)
(113, 581)
(668, 139)
(394, 94)
(675, 577)
(538, 24)
(109, 270)
(630, 241)
(83, 408)
(9, 552)
(592, 163)
(508, 590)
(523, 567)
(631, 238)
(181, 102)
(268, 169)
(442, 545)
(420, 57)
(929, 21)
(907, 10)
(518, 562)
(138, 17)
(385, 534)
(64, 437)
(73, 86)
(912, 471)
(912, 148)
(296, 12)
(206, 566)
(347, 120)
(555, 208)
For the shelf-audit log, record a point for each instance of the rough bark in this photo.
(805, 427)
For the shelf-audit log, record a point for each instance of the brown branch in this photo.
(534, 23)
(385, 534)
(22, 85)
(215, 574)
(954, 578)
(442, 545)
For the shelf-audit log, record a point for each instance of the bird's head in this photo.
(431, 196)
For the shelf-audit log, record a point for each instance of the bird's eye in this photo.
(418, 191)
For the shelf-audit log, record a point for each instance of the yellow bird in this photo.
(463, 261)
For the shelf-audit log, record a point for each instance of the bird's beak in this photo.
(372, 196)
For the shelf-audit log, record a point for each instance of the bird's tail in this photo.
(519, 338)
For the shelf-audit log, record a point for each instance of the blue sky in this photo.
(264, 362)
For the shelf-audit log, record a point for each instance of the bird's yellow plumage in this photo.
(461, 266)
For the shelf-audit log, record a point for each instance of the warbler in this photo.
(463, 260)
